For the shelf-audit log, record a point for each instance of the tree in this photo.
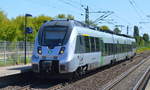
(18, 23)
(104, 28)
(136, 31)
(13, 29)
(146, 37)
(117, 30)
(141, 41)
(4, 27)
(70, 17)
(137, 37)
(61, 16)
(92, 23)
(36, 23)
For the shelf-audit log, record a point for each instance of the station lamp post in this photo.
(25, 37)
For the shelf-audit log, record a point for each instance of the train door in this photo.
(102, 50)
(80, 50)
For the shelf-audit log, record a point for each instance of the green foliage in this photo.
(92, 23)
(117, 30)
(146, 37)
(136, 31)
(70, 17)
(63, 16)
(14, 62)
(141, 41)
(13, 29)
(104, 28)
(36, 23)
(142, 49)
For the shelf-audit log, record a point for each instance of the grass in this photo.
(13, 62)
(8, 63)
(142, 49)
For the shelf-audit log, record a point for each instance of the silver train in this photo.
(67, 46)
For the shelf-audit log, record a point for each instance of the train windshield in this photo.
(54, 36)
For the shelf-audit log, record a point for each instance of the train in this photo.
(69, 46)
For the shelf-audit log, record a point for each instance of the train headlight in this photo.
(62, 50)
(39, 50)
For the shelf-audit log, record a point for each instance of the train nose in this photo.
(49, 66)
(46, 51)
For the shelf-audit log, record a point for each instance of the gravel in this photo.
(92, 82)
(97, 80)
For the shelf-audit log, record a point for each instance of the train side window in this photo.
(114, 48)
(121, 48)
(87, 44)
(126, 48)
(111, 48)
(118, 49)
(97, 44)
(79, 45)
(100, 45)
(106, 49)
(92, 44)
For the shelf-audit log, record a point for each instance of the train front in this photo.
(50, 52)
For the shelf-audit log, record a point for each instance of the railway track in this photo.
(143, 81)
(103, 75)
(114, 84)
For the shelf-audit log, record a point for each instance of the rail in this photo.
(143, 81)
(112, 84)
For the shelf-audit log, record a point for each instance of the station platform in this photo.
(12, 70)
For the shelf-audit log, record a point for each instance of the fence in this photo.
(13, 52)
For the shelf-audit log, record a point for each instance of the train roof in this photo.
(72, 23)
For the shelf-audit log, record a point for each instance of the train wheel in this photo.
(79, 73)
(127, 58)
(112, 62)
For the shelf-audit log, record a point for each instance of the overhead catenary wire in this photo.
(138, 7)
(141, 11)
(102, 17)
(70, 4)
(76, 5)
(121, 18)
(135, 9)
(52, 6)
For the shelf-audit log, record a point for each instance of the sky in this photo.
(125, 12)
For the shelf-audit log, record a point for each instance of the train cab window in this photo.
(92, 44)
(87, 44)
(53, 36)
